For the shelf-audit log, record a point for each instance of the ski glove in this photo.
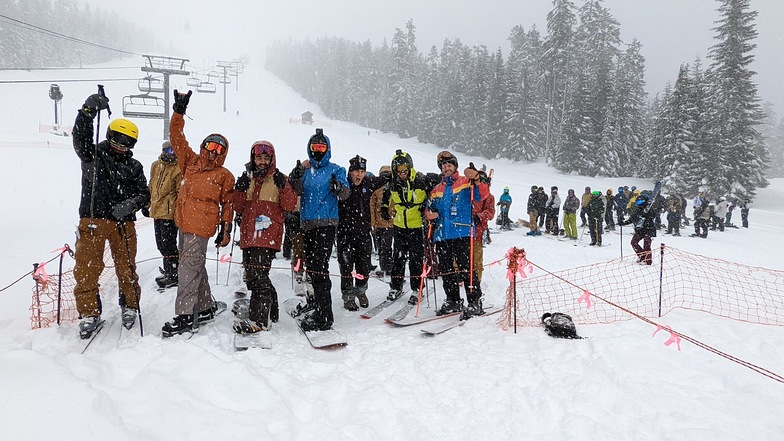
(94, 104)
(224, 235)
(122, 210)
(477, 219)
(145, 212)
(335, 186)
(238, 218)
(279, 179)
(298, 172)
(385, 213)
(181, 101)
(243, 183)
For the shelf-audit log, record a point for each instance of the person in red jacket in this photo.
(483, 211)
(203, 205)
(261, 198)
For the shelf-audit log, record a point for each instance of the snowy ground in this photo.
(475, 382)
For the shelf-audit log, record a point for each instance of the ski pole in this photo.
(424, 267)
(231, 253)
(471, 245)
(37, 295)
(582, 233)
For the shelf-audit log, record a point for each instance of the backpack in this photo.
(559, 325)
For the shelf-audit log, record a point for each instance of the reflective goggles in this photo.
(122, 140)
(213, 146)
(318, 147)
(262, 149)
(169, 151)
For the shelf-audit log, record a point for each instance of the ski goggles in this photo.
(262, 149)
(213, 146)
(318, 147)
(169, 151)
(122, 140)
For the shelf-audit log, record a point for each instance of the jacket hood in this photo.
(251, 166)
(327, 156)
(204, 155)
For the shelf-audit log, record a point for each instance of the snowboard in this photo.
(441, 326)
(260, 340)
(220, 307)
(318, 339)
(372, 312)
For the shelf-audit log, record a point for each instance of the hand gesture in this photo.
(181, 101)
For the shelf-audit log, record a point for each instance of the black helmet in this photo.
(446, 157)
(401, 158)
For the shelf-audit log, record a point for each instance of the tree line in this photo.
(574, 97)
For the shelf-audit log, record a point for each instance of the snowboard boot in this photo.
(209, 314)
(450, 307)
(362, 297)
(179, 325)
(88, 326)
(166, 280)
(241, 308)
(394, 294)
(128, 317)
(314, 322)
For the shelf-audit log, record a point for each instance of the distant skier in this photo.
(643, 218)
(504, 203)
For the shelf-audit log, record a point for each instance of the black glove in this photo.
(224, 235)
(145, 212)
(243, 183)
(335, 186)
(94, 104)
(237, 218)
(385, 213)
(121, 210)
(477, 220)
(181, 101)
(297, 172)
(279, 179)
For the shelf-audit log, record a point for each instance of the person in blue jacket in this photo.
(505, 201)
(320, 184)
(450, 208)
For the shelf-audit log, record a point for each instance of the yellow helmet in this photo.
(122, 131)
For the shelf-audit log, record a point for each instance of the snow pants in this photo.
(90, 245)
(595, 226)
(166, 241)
(643, 252)
(354, 256)
(257, 262)
(385, 238)
(318, 250)
(570, 225)
(409, 245)
(193, 289)
(451, 252)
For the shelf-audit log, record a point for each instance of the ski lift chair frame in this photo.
(193, 81)
(206, 87)
(144, 106)
(150, 84)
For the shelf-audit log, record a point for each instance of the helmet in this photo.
(122, 134)
(534, 189)
(218, 139)
(596, 193)
(446, 157)
(402, 158)
(620, 189)
(318, 145)
(642, 199)
(506, 189)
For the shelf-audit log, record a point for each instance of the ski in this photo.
(260, 340)
(318, 339)
(429, 316)
(372, 312)
(400, 314)
(91, 336)
(455, 321)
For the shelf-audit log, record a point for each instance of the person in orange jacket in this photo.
(203, 207)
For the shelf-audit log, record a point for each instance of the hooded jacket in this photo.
(111, 181)
(263, 205)
(408, 198)
(318, 205)
(484, 209)
(355, 211)
(165, 182)
(204, 201)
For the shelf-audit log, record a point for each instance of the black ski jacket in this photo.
(113, 184)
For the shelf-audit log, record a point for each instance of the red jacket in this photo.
(484, 209)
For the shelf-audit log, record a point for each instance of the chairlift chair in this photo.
(150, 84)
(206, 87)
(193, 81)
(224, 80)
(143, 106)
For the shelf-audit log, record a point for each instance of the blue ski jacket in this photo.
(451, 199)
(319, 206)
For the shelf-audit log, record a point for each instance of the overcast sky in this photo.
(671, 31)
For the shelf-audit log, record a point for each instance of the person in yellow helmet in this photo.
(113, 189)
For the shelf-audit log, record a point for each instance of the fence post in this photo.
(661, 276)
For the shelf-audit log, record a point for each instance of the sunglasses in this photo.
(321, 148)
(401, 169)
(213, 146)
(262, 149)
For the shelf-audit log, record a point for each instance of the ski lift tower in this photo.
(166, 66)
(226, 66)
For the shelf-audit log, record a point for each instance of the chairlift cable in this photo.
(87, 80)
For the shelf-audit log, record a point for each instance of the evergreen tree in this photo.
(525, 105)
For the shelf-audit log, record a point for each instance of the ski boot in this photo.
(394, 294)
(165, 281)
(89, 325)
(179, 325)
(414, 299)
(450, 307)
(350, 305)
(362, 297)
(474, 308)
(128, 317)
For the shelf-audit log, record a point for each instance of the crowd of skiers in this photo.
(432, 222)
